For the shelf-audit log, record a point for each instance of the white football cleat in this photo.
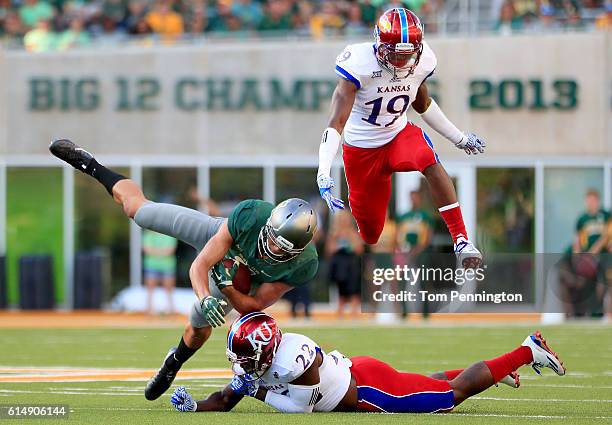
(467, 254)
(543, 356)
(512, 380)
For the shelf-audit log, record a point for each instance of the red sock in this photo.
(454, 220)
(452, 374)
(509, 362)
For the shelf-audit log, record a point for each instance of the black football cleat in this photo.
(71, 153)
(162, 380)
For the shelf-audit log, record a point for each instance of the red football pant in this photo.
(368, 175)
(381, 388)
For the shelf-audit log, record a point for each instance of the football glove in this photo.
(223, 276)
(326, 183)
(244, 386)
(471, 144)
(211, 309)
(182, 400)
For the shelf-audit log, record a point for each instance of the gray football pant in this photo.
(190, 226)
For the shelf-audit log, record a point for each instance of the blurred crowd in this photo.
(43, 25)
(551, 15)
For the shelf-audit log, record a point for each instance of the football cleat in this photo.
(467, 254)
(512, 380)
(543, 356)
(71, 153)
(162, 380)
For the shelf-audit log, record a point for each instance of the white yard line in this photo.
(449, 415)
(544, 400)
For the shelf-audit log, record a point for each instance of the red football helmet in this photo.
(252, 341)
(399, 41)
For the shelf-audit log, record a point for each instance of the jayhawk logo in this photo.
(384, 24)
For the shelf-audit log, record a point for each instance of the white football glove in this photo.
(182, 400)
(326, 183)
(471, 144)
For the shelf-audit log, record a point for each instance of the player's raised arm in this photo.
(435, 118)
(342, 103)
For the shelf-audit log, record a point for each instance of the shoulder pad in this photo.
(351, 64)
(294, 356)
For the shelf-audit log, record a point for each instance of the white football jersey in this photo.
(295, 354)
(379, 111)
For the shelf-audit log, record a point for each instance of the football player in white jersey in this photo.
(291, 373)
(378, 83)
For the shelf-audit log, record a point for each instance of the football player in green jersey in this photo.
(414, 228)
(592, 226)
(273, 242)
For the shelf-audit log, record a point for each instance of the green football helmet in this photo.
(291, 226)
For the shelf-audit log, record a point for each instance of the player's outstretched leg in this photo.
(513, 379)
(444, 197)
(534, 351)
(124, 191)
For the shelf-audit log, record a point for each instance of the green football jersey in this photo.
(244, 224)
(413, 226)
(591, 227)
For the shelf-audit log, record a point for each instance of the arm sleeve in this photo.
(301, 399)
(330, 141)
(435, 118)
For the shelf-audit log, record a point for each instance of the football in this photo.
(242, 278)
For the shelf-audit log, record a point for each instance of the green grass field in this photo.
(584, 395)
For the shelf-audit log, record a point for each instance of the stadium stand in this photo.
(40, 25)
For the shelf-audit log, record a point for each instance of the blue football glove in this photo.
(182, 400)
(472, 144)
(326, 183)
(242, 386)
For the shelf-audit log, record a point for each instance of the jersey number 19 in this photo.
(391, 108)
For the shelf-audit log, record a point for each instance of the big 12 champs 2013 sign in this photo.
(217, 94)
